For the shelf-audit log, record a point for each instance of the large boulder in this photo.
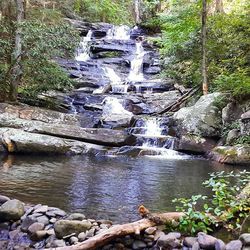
(11, 210)
(239, 154)
(195, 144)
(67, 227)
(203, 118)
(17, 140)
(98, 136)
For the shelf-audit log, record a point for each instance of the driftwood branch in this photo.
(176, 105)
(126, 229)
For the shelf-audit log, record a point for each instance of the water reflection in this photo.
(103, 187)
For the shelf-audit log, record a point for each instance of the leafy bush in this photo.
(224, 208)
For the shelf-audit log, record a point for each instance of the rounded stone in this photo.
(234, 245)
(245, 239)
(138, 244)
(58, 243)
(11, 210)
(76, 216)
(150, 230)
(35, 227)
(189, 241)
(73, 240)
(206, 241)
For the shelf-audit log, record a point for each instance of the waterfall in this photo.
(113, 106)
(82, 53)
(153, 128)
(121, 32)
(115, 81)
(136, 71)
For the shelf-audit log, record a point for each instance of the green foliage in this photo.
(41, 43)
(116, 12)
(223, 208)
(227, 46)
(244, 139)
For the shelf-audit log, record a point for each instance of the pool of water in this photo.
(104, 187)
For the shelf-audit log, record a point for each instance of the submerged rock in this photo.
(203, 119)
(11, 210)
(239, 154)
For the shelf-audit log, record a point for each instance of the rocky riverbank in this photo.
(25, 226)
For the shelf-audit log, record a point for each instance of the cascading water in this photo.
(82, 53)
(115, 81)
(121, 32)
(113, 106)
(136, 71)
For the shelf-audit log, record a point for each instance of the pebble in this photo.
(35, 227)
(73, 240)
(138, 244)
(82, 236)
(58, 243)
(150, 230)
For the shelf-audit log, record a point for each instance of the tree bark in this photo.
(16, 74)
(204, 53)
(125, 229)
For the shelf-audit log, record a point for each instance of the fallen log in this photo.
(176, 105)
(136, 227)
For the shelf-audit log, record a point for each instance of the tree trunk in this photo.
(203, 39)
(16, 73)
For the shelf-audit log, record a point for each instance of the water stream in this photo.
(83, 53)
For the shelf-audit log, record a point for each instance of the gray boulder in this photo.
(11, 210)
(3, 198)
(195, 144)
(203, 119)
(239, 154)
(245, 123)
(206, 241)
(245, 239)
(16, 140)
(168, 242)
(67, 227)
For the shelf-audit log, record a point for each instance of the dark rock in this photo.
(245, 123)
(234, 245)
(189, 241)
(168, 242)
(206, 242)
(67, 227)
(220, 245)
(195, 144)
(138, 244)
(11, 210)
(231, 113)
(245, 239)
(3, 198)
(27, 222)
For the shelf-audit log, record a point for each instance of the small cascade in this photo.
(113, 106)
(82, 53)
(153, 128)
(115, 81)
(121, 32)
(136, 71)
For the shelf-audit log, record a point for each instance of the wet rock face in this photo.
(11, 210)
(203, 119)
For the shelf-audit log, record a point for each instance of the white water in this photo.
(153, 128)
(113, 106)
(115, 81)
(82, 53)
(121, 32)
(136, 71)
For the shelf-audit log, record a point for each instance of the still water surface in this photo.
(104, 187)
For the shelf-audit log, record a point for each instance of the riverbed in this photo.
(104, 187)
